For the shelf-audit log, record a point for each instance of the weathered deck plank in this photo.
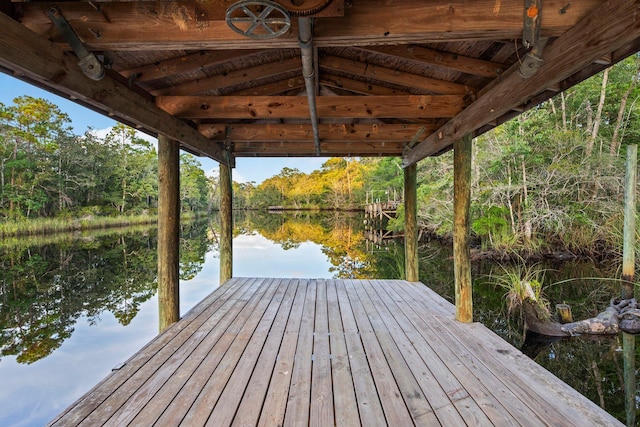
(276, 352)
(156, 352)
(261, 374)
(297, 410)
(369, 404)
(273, 409)
(344, 397)
(431, 388)
(321, 413)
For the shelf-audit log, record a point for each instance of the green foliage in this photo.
(549, 180)
(338, 185)
(47, 171)
(521, 282)
(493, 225)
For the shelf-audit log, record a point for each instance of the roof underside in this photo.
(391, 77)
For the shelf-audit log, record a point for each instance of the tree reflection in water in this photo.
(47, 288)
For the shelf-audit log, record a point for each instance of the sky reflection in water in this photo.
(32, 394)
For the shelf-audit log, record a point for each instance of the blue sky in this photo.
(246, 170)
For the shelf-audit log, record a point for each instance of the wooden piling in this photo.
(628, 269)
(168, 231)
(564, 313)
(411, 223)
(461, 228)
(226, 223)
(628, 251)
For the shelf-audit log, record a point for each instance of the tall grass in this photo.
(521, 282)
(46, 226)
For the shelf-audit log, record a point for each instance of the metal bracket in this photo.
(533, 60)
(532, 23)
(89, 63)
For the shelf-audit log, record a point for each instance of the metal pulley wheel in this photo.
(258, 19)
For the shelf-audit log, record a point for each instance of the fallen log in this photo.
(537, 318)
(605, 323)
(621, 315)
(628, 315)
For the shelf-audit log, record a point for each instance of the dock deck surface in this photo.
(298, 352)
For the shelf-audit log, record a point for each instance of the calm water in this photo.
(74, 307)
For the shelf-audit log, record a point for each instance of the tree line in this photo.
(550, 179)
(48, 171)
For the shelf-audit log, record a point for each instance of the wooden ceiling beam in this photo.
(327, 149)
(162, 25)
(184, 64)
(447, 60)
(356, 86)
(303, 132)
(232, 78)
(36, 60)
(296, 107)
(607, 28)
(275, 88)
(384, 74)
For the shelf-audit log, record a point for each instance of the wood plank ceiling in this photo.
(390, 77)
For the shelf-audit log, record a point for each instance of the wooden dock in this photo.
(300, 352)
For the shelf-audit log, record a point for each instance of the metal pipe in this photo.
(305, 40)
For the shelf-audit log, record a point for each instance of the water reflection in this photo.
(592, 365)
(61, 287)
(46, 288)
(630, 385)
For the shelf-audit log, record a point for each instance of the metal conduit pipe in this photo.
(305, 40)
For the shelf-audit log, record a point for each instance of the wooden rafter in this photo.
(296, 107)
(608, 27)
(440, 62)
(275, 88)
(328, 149)
(449, 61)
(229, 79)
(157, 26)
(357, 86)
(384, 74)
(184, 64)
(328, 132)
(42, 62)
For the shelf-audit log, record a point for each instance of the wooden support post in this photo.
(628, 250)
(627, 291)
(461, 228)
(226, 223)
(168, 231)
(564, 313)
(411, 223)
